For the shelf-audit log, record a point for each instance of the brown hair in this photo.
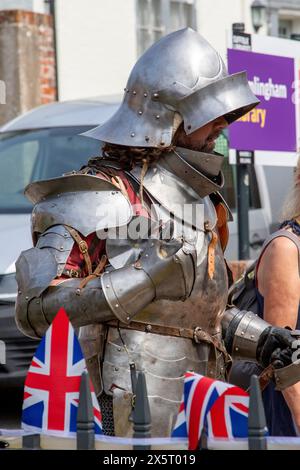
(129, 157)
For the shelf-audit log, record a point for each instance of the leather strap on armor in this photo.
(83, 247)
(266, 376)
(222, 224)
(154, 329)
(95, 273)
(197, 334)
(211, 250)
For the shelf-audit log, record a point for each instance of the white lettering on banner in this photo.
(268, 89)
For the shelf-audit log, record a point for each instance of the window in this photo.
(155, 18)
(285, 28)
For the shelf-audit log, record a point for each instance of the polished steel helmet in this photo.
(180, 77)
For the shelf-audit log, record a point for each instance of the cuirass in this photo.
(164, 358)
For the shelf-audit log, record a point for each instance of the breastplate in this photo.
(205, 306)
(165, 359)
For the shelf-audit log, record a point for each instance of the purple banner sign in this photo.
(272, 124)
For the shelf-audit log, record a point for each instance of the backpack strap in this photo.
(279, 233)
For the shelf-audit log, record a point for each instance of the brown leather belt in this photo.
(155, 329)
(196, 334)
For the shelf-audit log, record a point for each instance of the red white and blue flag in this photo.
(220, 407)
(51, 392)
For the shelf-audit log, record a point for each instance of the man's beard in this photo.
(207, 147)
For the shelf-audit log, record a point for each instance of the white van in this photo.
(44, 143)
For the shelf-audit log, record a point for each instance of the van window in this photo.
(27, 156)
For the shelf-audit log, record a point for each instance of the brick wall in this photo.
(27, 62)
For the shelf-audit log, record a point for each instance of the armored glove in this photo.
(279, 347)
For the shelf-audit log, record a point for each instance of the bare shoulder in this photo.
(279, 282)
(281, 259)
(281, 247)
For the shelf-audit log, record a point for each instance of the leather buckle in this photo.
(83, 247)
(74, 273)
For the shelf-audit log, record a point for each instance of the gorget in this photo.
(178, 183)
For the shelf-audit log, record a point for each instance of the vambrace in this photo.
(242, 331)
(86, 305)
(163, 271)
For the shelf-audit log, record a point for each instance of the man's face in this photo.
(203, 139)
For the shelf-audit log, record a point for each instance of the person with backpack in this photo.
(271, 288)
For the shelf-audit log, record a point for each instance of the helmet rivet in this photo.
(125, 89)
(145, 95)
(157, 116)
(155, 95)
(140, 112)
(147, 138)
(132, 134)
(134, 92)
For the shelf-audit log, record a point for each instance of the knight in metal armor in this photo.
(132, 244)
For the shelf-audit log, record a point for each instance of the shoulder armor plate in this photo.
(177, 197)
(86, 203)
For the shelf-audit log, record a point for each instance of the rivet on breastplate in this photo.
(116, 369)
(236, 349)
(128, 318)
(119, 349)
(252, 336)
(148, 328)
(242, 333)
(27, 298)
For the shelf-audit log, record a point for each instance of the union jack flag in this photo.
(206, 403)
(51, 392)
(228, 417)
